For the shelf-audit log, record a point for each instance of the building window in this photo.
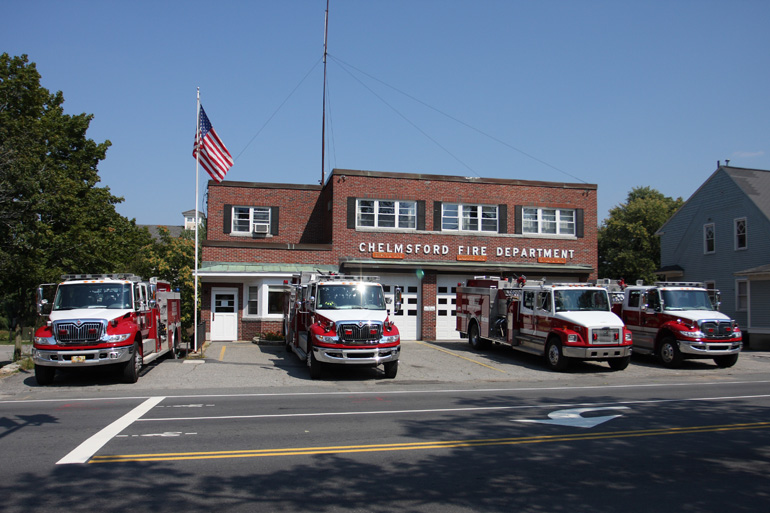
(386, 214)
(252, 303)
(711, 290)
(548, 221)
(472, 218)
(741, 295)
(709, 238)
(275, 300)
(740, 234)
(251, 220)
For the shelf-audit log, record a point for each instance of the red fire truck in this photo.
(338, 319)
(679, 320)
(560, 321)
(105, 319)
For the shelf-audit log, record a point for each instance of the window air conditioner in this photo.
(261, 228)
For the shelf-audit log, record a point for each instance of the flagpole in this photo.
(323, 109)
(195, 257)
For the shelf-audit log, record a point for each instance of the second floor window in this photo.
(740, 234)
(548, 221)
(251, 220)
(387, 214)
(474, 218)
(709, 238)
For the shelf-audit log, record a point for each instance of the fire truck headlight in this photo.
(692, 334)
(572, 337)
(45, 341)
(628, 336)
(390, 339)
(327, 340)
(116, 338)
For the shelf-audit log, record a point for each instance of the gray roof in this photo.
(755, 183)
(154, 229)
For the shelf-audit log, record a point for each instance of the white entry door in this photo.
(224, 314)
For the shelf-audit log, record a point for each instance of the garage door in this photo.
(446, 308)
(406, 319)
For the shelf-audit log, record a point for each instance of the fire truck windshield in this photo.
(686, 300)
(72, 296)
(574, 300)
(349, 297)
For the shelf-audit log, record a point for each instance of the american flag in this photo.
(214, 157)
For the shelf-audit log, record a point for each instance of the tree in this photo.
(54, 218)
(628, 246)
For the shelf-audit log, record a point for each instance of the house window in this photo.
(711, 289)
(741, 295)
(275, 300)
(252, 304)
(386, 214)
(709, 237)
(473, 218)
(251, 220)
(740, 234)
(548, 221)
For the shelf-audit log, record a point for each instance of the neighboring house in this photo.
(721, 236)
(176, 231)
(190, 216)
(421, 233)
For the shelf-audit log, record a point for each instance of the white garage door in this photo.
(406, 319)
(446, 307)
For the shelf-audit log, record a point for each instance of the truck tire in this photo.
(474, 339)
(44, 375)
(554, 356)
(132, 367)
(722, 362)
(669, 353)
(315, 366)
(618, 364)
(391, 369)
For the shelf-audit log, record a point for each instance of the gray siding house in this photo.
(721, 236)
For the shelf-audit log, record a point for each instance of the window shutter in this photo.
(228, 219)
(437, 216)
(502, 218)
(579, 223)
(421, 215)
(352, 213)
(518, 220)
(273, 220)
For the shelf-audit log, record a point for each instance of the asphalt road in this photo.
(245, 429)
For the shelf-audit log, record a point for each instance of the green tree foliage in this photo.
(54, 218)
(628, 246)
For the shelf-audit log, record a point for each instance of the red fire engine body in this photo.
(105, 319)
(677, 321)
(560, 321)
(337, 319)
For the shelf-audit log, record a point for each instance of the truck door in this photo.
(543, 314)
(527, 315)
(649, 319)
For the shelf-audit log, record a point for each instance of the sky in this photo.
(620, 94)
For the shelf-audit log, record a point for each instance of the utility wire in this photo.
(344, 65)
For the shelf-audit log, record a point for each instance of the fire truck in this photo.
(563, 322)
(105, 319)
(338, 319)
(679, 320)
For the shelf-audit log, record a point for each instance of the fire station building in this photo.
(422, 233)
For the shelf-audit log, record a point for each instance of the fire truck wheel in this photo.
(474, 339)
(391, 369)
(132, 367)
(619, 363)
(315, 366)
(44, 375)
(669, 354)
(554, 356)
(726, 361)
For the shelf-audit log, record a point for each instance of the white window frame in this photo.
(738, 296)
(256, 215)
(535, 221)
(706, 239)
(403, 213)
(264, 288)
(248, 301)
(736, 223)
(462, 217)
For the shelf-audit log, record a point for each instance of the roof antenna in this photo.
(727, 162)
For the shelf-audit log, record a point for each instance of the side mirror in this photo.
(398, 300)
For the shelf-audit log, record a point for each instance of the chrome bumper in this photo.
(81, 358)
(596, 353)
(367, 356)
(708, 349)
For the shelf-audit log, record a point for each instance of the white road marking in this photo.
(83, 452)
(574, 417)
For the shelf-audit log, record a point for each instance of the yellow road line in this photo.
(459, 356)
(222, 353)
(450, 444)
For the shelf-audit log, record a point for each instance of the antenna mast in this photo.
(323, 115)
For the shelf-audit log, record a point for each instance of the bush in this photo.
(271, 335)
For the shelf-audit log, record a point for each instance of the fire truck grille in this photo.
(716, 329)
(72, 333)
(605, 336)
(359, 333)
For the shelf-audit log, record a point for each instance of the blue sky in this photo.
(620, 94)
